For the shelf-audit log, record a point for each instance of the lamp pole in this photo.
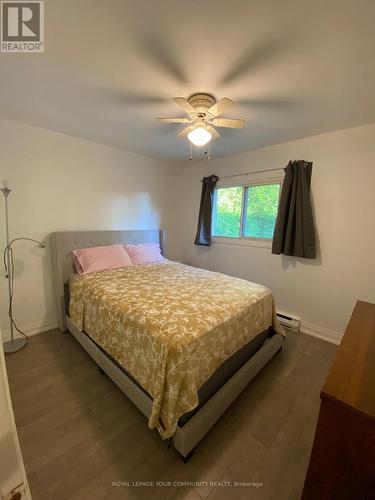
(12, 345)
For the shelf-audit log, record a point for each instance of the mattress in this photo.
(171, 327)
(219, 377)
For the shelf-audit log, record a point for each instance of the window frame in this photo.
(242, 239)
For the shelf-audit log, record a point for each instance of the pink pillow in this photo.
(146, 253)
(89, 260)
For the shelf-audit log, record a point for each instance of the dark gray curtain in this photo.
(205, 211)
(294, 230)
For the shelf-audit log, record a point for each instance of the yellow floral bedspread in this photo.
(170, 326)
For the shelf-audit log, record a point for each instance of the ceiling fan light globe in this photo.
(199, 136)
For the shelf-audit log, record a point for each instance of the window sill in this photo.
(246, 242)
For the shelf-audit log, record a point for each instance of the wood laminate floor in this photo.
(79, 433)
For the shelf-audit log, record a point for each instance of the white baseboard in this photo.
(44, 326)
(321, 333)
(30, 329)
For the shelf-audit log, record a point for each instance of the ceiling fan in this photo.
(203, 112)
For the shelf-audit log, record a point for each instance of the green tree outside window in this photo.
(256, 219)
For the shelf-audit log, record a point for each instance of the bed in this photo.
(180, 342)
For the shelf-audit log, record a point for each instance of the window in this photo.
(246, 211)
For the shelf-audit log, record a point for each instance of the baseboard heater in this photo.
(292, 323)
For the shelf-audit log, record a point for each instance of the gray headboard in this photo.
(63, 242)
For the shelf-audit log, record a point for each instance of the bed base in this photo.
(190, 434)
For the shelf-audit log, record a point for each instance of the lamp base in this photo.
(14, 345)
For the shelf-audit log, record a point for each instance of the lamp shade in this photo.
(199, 136)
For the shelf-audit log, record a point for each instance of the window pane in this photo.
(262, 203)
(227, 216)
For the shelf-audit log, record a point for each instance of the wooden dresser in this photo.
(342, 463)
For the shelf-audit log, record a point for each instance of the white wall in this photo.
(322, 291)
(65, 183)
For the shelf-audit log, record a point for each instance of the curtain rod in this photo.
(250, 173)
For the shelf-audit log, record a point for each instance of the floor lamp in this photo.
(12, 345)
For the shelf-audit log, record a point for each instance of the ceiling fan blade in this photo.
(257, 55)
(174, 120)
(228, 122)
(184, 104)
(221, 106)
(215, 134)
(185, 131)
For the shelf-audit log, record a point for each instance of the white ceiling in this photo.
(294, 67)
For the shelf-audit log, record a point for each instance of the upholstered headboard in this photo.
(63, 242)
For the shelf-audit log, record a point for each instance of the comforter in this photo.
(170, 326)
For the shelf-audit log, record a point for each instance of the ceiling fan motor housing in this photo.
(201, 102)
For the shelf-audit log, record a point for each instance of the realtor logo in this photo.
(22, 26)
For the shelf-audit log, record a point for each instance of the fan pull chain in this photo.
(209, 151)
(191, 151)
